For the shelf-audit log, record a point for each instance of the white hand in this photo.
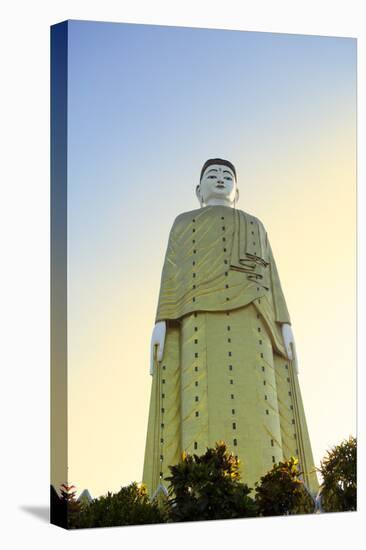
(157, 344)
(289, 341)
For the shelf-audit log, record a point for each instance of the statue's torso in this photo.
(197, 267)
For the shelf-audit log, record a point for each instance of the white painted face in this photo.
(218, 185)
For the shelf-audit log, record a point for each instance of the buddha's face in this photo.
(218, 182)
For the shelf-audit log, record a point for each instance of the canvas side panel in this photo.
(59, 34)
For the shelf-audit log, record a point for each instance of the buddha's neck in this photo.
(219, 202)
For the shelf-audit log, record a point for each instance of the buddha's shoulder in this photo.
(252, 218)
(186, 218)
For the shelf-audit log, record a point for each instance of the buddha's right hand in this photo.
(157, 344)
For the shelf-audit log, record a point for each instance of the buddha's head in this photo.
(218, 183)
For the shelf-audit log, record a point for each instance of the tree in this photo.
(208, 487)
(72, 506)
(130, 506)
(282, 492)
(339, 472)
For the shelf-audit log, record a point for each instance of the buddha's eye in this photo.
(212, 176)
(227, 178)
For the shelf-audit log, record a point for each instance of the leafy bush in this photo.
(282, 492)
(339, 471)
(208, 487)
(130, 506)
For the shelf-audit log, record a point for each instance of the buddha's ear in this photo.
(236, 195)
(198, 194)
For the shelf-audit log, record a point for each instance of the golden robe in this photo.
(224, 374)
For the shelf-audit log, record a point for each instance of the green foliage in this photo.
(339, 471)
(282, 492)
(68, 501)
(130, 506)
(208, 487)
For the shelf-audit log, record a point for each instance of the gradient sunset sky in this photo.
(147, 105)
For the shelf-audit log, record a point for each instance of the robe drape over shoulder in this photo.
(224, 374)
